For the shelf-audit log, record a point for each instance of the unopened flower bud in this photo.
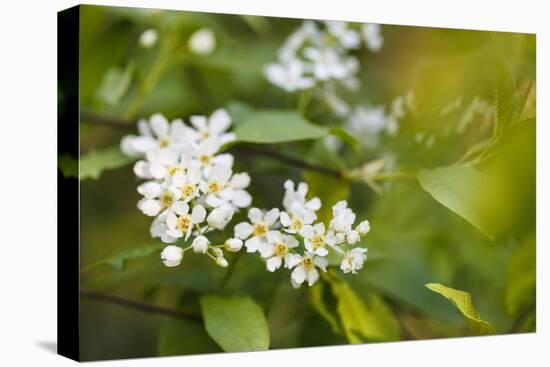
(352, 237)
(171, 255)
(221, 262)
(220, 216)
(200, 244)
(363, 228)
(233, 244)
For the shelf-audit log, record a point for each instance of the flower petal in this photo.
(198, 215)
(299, 274)
(273, 263)
(243, 230)
(159, 125)
(219, 121)
(255, 215)
(271, 216)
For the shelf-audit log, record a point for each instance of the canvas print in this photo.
(251, 183)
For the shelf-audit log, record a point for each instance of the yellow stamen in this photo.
(260, 229)
(281, 249)
(166, 199)
(184, 222)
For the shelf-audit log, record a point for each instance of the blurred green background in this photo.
(415, 238)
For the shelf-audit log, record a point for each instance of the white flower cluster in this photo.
(190, 187)
(294, 240)
(319, 52)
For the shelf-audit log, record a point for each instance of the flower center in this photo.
(297, 224)
(260, 229)
(308, 263)
(318, 241)
(184, 223)
(187, 190)
(166, 199)
(173, 169)
(164, 142)
(281, 249)
(204, 159)
(214, 186)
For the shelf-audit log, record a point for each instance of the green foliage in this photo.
(319, 304)
(371, 320)
(237, 324)
(115, 83)
(93, 163)
(329, 189)
(458, 188)
(269, 127)
(463, 302)
(522, 277)
(118, 260)
(181, 337)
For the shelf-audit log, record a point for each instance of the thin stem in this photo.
(154, 74)
(136, 305)
(230, 271)
(289, 160)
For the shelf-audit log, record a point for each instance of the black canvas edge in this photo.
(68, 216)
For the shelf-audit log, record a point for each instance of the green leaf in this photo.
(270, 127)
(319, 305)
(463, 301)
(371, 320)
(93, 163)
(118, 260)
(114, 84)
(68, 165)
(237, 324)
(181, 337)
(347, 138)
(522, 277)
(504, 87)
(457, 188)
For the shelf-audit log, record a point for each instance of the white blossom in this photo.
(353, 260)
(372, 36)
(202, 42)
(277, 249)
(316, 239)
(256, 231)
(305, 268)
(297, 218)
(156, 198)
(171, 255)
(342, 220)
(298, 195)
(346, 37)
(221, 189)
(180, 221)
(155, 134)
(148, 38)
(214, 127)
(288, 75)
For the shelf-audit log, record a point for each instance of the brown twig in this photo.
(117, 123)
(111, 122)
(136, 305)
(288, 159)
